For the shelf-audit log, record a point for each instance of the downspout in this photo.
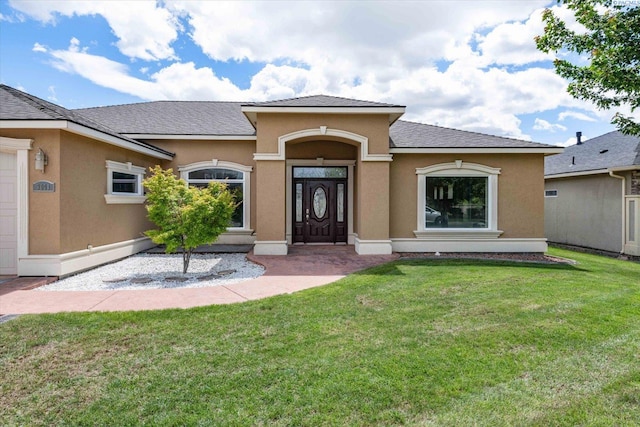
(624, 208)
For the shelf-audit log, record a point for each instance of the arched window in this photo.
(237, 178)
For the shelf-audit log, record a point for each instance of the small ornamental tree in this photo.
(187, 217)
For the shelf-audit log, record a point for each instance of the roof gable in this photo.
(611, 150)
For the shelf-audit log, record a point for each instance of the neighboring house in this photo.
(592, 194)
(311, 170)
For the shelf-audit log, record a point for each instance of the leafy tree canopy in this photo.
(611, 41)
(187, 217)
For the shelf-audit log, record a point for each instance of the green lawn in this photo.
(437, 342)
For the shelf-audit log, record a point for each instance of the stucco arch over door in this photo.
(324, 132)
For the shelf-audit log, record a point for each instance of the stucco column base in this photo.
(278, 247)
(373, 247)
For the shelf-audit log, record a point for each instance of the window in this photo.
(124, 183)
(234, 175)
(457, 198)
(456, 202)
(550, 193)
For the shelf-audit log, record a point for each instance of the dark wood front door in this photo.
(319, 210)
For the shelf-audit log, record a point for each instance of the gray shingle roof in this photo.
(227, 119)
(174, 118)
(322, 101)
(18, 105)
(403, 134)
(610, 150)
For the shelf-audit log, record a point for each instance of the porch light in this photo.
(41, 160)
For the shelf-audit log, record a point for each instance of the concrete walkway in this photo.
(305, 267)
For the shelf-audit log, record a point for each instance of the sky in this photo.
(469, 65)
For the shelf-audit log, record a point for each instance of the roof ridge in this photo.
(295, 98)
(158, 102)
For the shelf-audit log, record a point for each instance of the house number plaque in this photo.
(44, 187)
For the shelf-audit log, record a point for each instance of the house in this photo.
(592, 194)
(310, 170)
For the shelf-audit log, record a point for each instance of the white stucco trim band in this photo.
(373, 247)
(324, 131)
(72, 262)
(527, 245)
(270, 247)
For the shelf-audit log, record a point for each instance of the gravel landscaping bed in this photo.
(158, 271)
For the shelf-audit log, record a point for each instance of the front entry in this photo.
(319, 205)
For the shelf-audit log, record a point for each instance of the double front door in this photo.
(319, 206)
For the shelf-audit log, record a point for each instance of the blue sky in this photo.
(464, 64)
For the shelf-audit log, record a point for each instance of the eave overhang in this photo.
(601, 171)
(201, 137)
(477, 150)
(72, 127)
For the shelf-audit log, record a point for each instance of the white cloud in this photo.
(541, 124)
(575, 115)
(570, 141)
(52, 94)
(451, 63)
(37, 47)
(513, 42)
(144, 29)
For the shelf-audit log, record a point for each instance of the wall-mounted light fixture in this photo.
(41, 160)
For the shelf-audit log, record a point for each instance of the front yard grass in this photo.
(414, 342)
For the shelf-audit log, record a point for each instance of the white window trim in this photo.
(550, 195)
(246, 191)
(124, 198)
(466, 169)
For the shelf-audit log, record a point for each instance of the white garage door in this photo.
(8, 214)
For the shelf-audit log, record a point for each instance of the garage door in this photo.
(8, 215)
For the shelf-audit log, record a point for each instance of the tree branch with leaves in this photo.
(187, 217)
(611, 42)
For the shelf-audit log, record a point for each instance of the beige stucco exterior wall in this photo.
(86, 218)
(272, 126)
(587, 212)
(44, 208)
(371, 202)
(330, 150)
(372, 196)
(193, 151)
(520, 191)
(270, 201)
(76, 214)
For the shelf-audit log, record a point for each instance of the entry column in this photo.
(270, 208)
(373, 208)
